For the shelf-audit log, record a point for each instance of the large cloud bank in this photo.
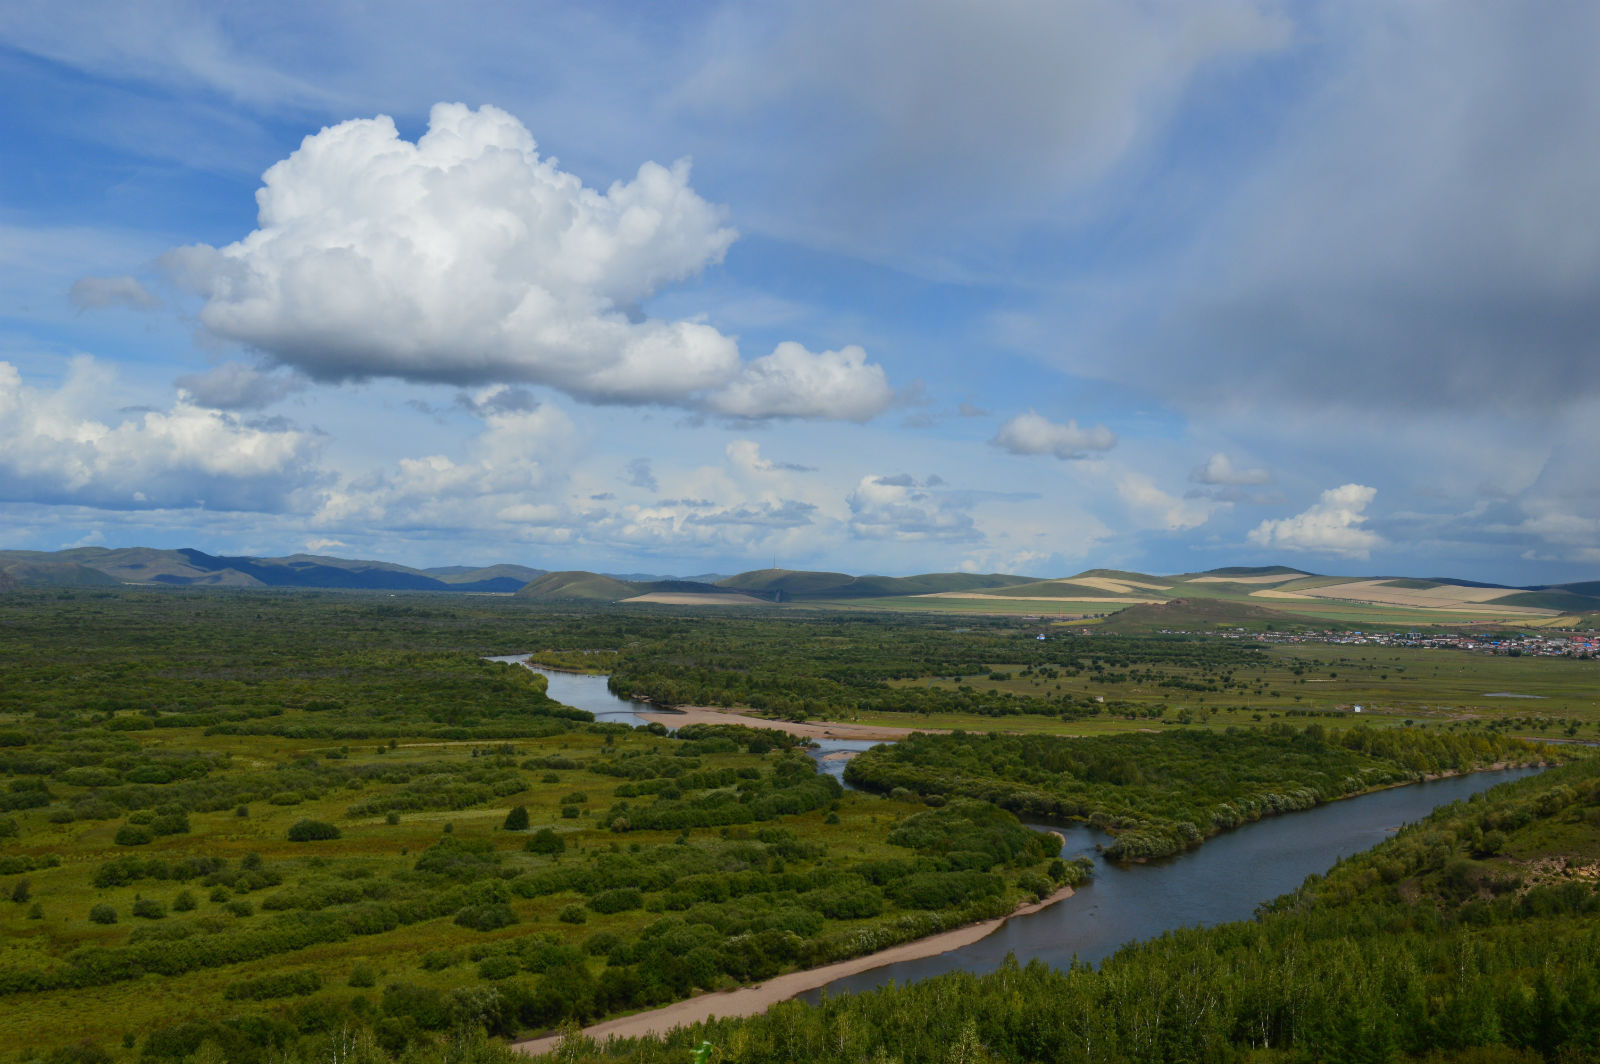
(53, 449)
(465, 257)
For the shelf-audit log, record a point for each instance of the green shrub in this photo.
(1034, 883)
(545, 840)
(361, 977)
(499, 966)
(311, 831)
(573, 914)
(184, 902)
(615, 901)
(490, 917)
(943, 890)
(103, 914)
(516, 819)
(600, 942)
(149, 909)
(276, 985)
(170, 824)
(130, 835)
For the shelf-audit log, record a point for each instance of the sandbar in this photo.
(753, 1000)
(682, 715)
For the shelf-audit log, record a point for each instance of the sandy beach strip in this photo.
(753, 1000)
(810, 730)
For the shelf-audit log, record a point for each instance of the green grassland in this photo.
(1389, 683)
(402, 888)
(160, 752)
(981, 673)
(477, 853)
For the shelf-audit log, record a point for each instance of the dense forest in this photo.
(1473, 936)
(1163, 793)
(826, 666)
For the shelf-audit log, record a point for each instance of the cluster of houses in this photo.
(1585, 644)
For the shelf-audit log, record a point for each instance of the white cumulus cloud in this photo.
(512, 461)
(1331, 526)
(466, 257)
(886, 507)
(54, 449)
(1218, 469)
(1033, 433)
(792, 382)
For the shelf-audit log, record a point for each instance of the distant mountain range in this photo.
(1208, 599)
(1242, 593)
(93, 566)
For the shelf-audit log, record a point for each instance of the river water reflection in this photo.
(591, 693)
(1223, 880)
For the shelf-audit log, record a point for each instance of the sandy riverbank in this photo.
(753, 1000)
(819, 730)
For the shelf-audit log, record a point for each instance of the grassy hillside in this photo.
(797, 585)
(578, 585)
(55, 574)
(1200, 615)
(487, 578)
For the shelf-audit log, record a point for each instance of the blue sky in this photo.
(881, 287)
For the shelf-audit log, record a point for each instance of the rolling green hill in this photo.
(799, 585)
(578, 585)
(54, 574)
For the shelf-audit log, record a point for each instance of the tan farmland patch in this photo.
(698, 598)
(1116, 587)
(1268, 578)
(1449, 598)
(1039, 598)
(1445, 596)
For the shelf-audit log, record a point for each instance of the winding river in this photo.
(1223, 880)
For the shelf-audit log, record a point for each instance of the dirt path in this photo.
(811, 730)
(753, 1000)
